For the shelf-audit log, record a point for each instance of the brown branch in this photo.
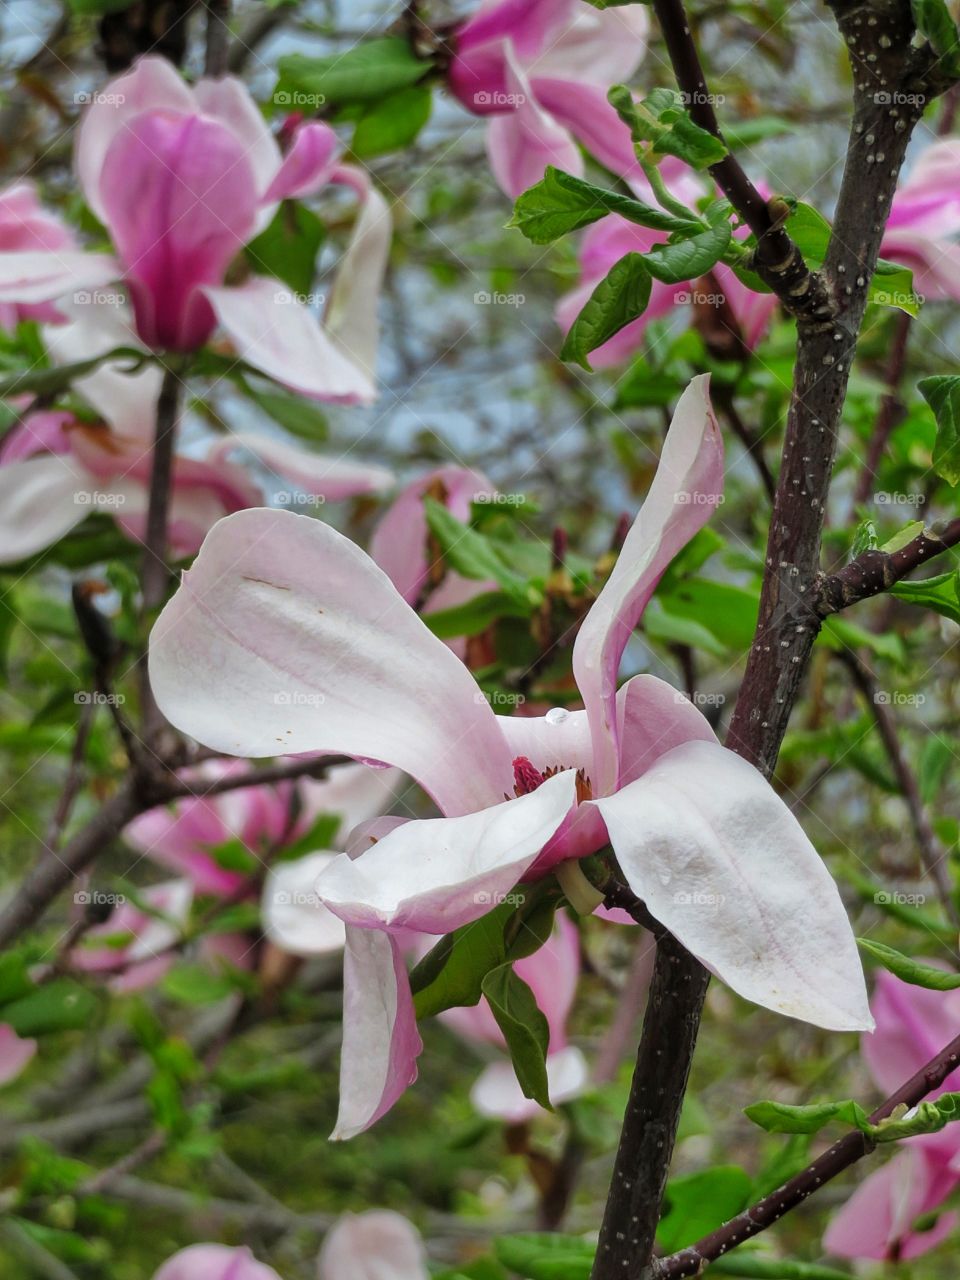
(877, 571)
(847, 1151)
(218, 38)
(154, 571)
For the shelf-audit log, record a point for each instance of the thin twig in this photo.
(218, 38)
(876, 571)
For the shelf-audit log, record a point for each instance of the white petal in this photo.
(293, 917)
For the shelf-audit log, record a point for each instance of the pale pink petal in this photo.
(377, 1245)
(753, 311)
(181, 200)
(583, 109)
(595, 47)
(152, 85)
(497, 1093)
(478, 75)
(214, 1262)
(228, 101)
(913, 1025)
(308, 165)
(435, 874)
(355, 792)
(929, 201)
(935, 263)
(381, 1043)
(293, 918)
(41, 499)
(15, 1053)
(43, 432)
(278, 335)
(180, 838)
(877, 1220)
(25, 224)
(720, 861)
(399, 541)
(334, 479)
(285, 638)
(654, 718)
(351, 313)
(521, 145)
(685, 491)
(45, 276)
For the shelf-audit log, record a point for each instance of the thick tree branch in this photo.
(154, 571)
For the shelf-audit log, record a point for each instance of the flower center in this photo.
(527, 777)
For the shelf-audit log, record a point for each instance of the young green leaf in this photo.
(933, 20)
(53, 381)
(525, 1029)
(662, 120)
(941, 593)
(560, 203)
(621, 296)
(942, 394)
(542, 1256)
(59, 1005)
(780, 1117)
(912, 971)
(393, 122)
(698, 1202)
(365, 73)
(473, 554)
(687, 259)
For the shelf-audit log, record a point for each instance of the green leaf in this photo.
(699, 1202)
(621, 296)
(840, 633)
(287, 249)
(59, 1005)
(942, 594)
(662, 120)
(193, 984)
(942, 394)
(451, 974)
(476, 615)
(393, 122)
(525, 1029)
(865, 538)
(659, 624)
(233, 855)
(926, 1117)
(53, 381)
(296, 414)
(688, 259)
(560, 203)
(14, 979)
(97, 8)
(542, 1256)
(365, 73)
(473, 554)
(934, 21)
(320, 835)
(912, 971)
(751, 1267)
(780, 1117)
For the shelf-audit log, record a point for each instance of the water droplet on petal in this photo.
(556, 715)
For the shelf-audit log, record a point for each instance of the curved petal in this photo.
(720, 860)
(44, 276)
(595, 47)
(877, 1220)
(497, 1091)
(686, 488)
(378, 1245)
(398, 543)
(654, 718)
(285, 638)
(153, 84)
(308, 165)
(354, 792)
(15, 1053)
(333, 479)
(274, 332)
(435, 874)
(381, 1043)
(913, 1025)
(935, 263)
(351, 314)
(521, 144)
(293, 918)
(478, 73)
(41, 499)
(228, 101)
(180, 837)
(585, 111)
(214, 1262)
(43, 432)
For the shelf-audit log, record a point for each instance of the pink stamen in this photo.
(526, 776)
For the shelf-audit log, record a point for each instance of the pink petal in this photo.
(333, 479)
(285, 638)
(594, 47)
(913, 1025)
(214, 1262)
(274, 332)
(435, 874)
(583, 109)
(152, 85)
(653, 719)
(180, 838)
(308, 165)
(935, 263)
(497, 1091)
(15, 1053)
(381, 1043)
(293, 918)
(180, 200)
(25, 224)
(353, 791)
(351, 314)
(521, 145)
(45, 275)
(227, 100)
(43, 432)
(377, 1245)
(399, 541)
(720, 861)
(929, 201)
(876, 1222)
(478, 75)
(753, 311)
(41, 499)
(686, 488)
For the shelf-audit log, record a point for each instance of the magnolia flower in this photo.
(541, 72)
(880, 1220)
(607, 241)
(551, 973)
(15, 1053)
(279, 604)
(214, 1262)
(182, 178)
(133, 948)
(924, 221)
(377, 1245)
(56, 470)
(25, 227)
